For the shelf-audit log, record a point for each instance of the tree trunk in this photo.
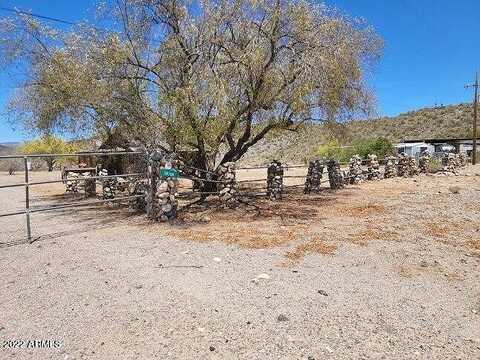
(208, 184)
(50, 163)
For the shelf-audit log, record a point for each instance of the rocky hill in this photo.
(453, 121)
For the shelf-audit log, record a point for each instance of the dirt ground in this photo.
(382, 270)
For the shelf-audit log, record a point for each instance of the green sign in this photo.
(173, 173)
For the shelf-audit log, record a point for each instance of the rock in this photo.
(424, 161)
(275, 180)
(454, 189)
(257, 279)
(390, 167)
(313, 180)
(373, 167)
(355, 172)
(212, 348)
(227, 178)
(335, 176)
(166, 208)
(406, 166)
(205, 219)
(282, 318)
(323, 292)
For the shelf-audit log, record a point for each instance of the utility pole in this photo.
(475, 116)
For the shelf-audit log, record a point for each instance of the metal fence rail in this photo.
(27, 211)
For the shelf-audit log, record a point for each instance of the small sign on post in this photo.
(172, 173)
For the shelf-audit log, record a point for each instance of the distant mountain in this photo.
(453, 121)
(10, 144)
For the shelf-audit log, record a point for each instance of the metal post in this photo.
(27, 200)
(475, 116)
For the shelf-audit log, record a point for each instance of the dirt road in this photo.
(384, 270)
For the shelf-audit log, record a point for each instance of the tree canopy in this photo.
(210, 77)
(48, 144)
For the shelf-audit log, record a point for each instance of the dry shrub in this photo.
(365, 210)
(475, 244)
(373, 234)
(265, 234)
(439, 230)
(315, 245)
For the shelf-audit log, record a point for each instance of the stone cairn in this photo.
(412, 166)
(463, 159)
(424, 161)
(373, 167)
(72, 183)
(335, 176)
(355, 172)
(162, 198)
(313, 181)
(449, 162)
(138, 187)
(109, 185)
(275, 180)
(227, 184)
(407, 166)
(390, 167)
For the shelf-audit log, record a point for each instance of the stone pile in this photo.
(412, 167)
(373, 167)
(355, 172)
(407, 166)
(138, 187)
(463, 159)
(226, 176)
(72, 183)
(275, 180)
(424, 161)
(313, 181)
(390, 167)
(449, 162)
(164, 205)
(109, 185)
(335, 176)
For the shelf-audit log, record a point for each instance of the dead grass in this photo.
(373, 234)
(365, 210)
(315, 245)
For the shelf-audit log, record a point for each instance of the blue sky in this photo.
(431, 49)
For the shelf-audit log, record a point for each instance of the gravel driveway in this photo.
(113, 288)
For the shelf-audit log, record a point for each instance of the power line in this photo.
(36, 15)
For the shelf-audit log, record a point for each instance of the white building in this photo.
(414, 148)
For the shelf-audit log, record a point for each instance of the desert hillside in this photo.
(442, 122)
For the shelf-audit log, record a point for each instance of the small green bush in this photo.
(381, 147)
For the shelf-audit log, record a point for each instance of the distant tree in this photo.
(48, 144)
(381, 147)
(213, 77)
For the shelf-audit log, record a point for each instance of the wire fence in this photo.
(249, 187)
(28, 210)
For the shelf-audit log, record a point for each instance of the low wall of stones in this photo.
(159, 196)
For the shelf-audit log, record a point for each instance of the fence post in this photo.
(390, 167)
(227, 178)
(152, 208)
(335, 176)
(275, 180)
(27, 200)
(313, 180)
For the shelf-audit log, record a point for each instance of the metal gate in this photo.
(27, 184)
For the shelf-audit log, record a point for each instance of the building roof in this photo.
(440, 140)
